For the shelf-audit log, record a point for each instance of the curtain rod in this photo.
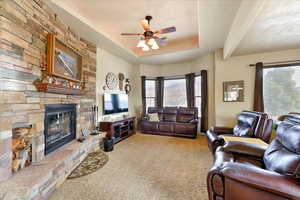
(278, 63)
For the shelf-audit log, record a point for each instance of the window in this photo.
(198, 94)
(281, 90)
(175, 92)
(150, 93)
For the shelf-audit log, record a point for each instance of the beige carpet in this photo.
(146, 167)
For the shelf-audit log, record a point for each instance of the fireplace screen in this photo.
(60, 126)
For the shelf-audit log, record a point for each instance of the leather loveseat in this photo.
(173, 121)
(249, 124)
(248, 171)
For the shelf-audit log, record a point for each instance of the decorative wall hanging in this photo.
(233, 91)
(63, 61)
(63, 73)
(121, 79)
(111, 81)
(127, 86)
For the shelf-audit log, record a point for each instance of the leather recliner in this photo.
(173, 121)
(249, 124)
(247, 171)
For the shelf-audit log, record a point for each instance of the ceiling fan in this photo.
(150, 38)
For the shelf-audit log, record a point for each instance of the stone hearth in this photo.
(39, 180)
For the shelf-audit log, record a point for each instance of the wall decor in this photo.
(127, 86)
(233, 91)
(63, 61)
(111, 81)
(121, 79)
(63, 73)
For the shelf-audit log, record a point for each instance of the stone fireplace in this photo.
(60, 125)
(23, 45)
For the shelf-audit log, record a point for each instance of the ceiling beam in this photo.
(245, 17)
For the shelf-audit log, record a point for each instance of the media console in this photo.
(118, 128)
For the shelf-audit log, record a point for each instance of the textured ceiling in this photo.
(116, 16)
(202, 25)
(276, 28)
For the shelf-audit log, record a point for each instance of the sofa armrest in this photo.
(262, 179)
(214, 140)
(219, 130)
(244, 148)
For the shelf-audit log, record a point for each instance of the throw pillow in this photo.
(153, 117)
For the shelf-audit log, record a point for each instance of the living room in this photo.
(195, 99)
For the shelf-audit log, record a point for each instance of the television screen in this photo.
(115, 103)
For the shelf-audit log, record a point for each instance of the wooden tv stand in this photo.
(119, 128)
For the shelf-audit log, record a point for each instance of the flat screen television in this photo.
(115, 103)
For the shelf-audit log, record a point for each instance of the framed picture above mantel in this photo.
(63, 61)
(63, 73)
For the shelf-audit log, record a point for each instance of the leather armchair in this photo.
(248, 171)
(249, 124)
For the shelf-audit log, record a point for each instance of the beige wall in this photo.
(237, 68)
(106, 62)
(219, 70)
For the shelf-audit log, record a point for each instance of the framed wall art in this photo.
(233, 91)
(63, 61)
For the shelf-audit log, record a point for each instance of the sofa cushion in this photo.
(169, 117)
(183, 128)
(242, 131)
(245, 125)
(149, 126)
(184, 118)
(277, 158)
(288, 133)
(170, 114)
(283, 154)
(247, 120)
(186, 115)
(166, 127)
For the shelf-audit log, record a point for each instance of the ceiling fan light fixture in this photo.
(145, 48)
(155, 46)
(151, 42)
(141, 43)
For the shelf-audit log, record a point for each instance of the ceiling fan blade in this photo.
(163, 38)
(131, 34)
(145, 24)
(160, 41)
(166, 30)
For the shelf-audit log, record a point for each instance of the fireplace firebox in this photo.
(60, 125)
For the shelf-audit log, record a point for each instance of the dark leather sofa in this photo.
(248, 171)
(173, 121)
(249, 124)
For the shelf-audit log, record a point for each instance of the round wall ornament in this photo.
(111, 81)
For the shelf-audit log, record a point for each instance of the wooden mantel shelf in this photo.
(50, 88)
